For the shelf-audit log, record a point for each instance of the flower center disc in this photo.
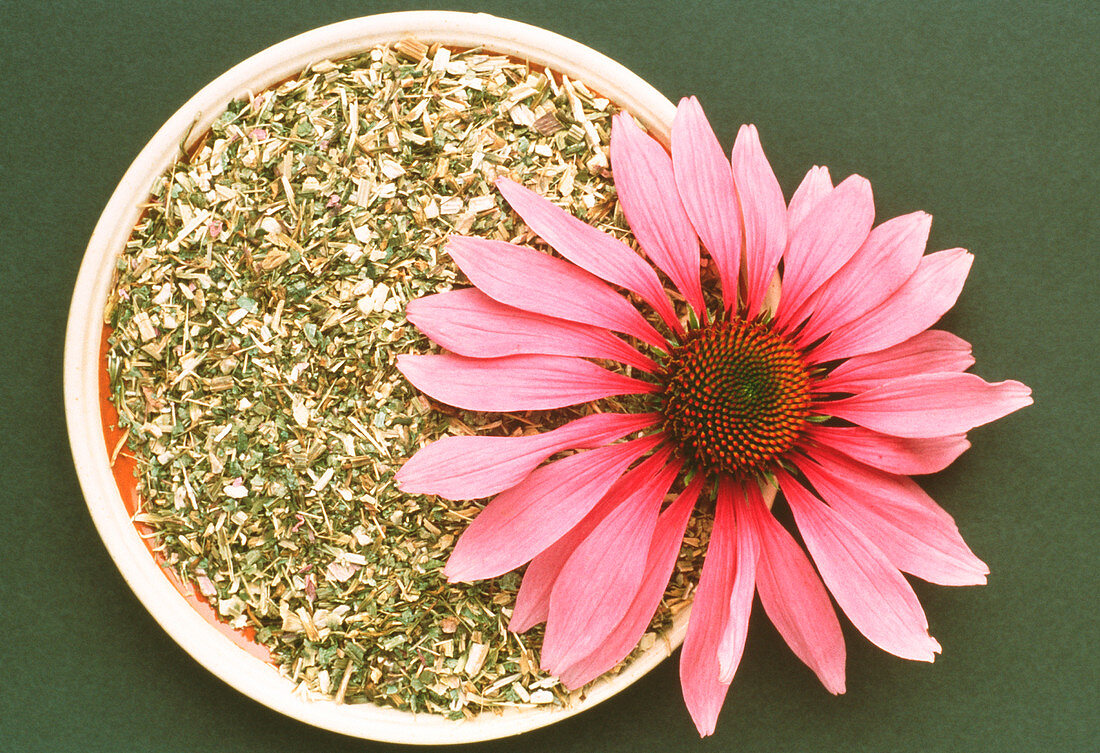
(736, 398)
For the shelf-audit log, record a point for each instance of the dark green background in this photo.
(983, 114)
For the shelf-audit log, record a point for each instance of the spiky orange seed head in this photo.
(736, 397)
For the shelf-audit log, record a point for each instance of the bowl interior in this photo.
(230, 657)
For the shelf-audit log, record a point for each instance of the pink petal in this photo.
(599, 582)
(589, 248)
(533, 281)
(814, 187)
(911, 309)
(883, 263)
(821, 244)
(890, 454)
(764, 214)
(931, 405)
(663, 552)
(870, 590)
(796, 601)
(515, 383)
(736, 630)
(644, 179)
(476, 467)
(895, 514)
(704, 692)
(704, 180)
(527, 518)
(929, 352)
(533, 598)
(470, 323)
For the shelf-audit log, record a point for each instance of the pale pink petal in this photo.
(704, 180)
(930, 352)
(796, 601)
(533, 281)
(476, 467)
(663, 552)
(591, 249)
(470, 323)
(599, 582)
(891, 454)
(533, 598)
(829, 236)
(644, 182)
(931, 405)
(704, 693)
(732, 644)
(763, 211)
(896, 515)
(515, 383)
(911, 309)
(527, 518)
(883, 263)
(875, 596)
(814, 187)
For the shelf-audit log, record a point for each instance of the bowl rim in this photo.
(205, 643)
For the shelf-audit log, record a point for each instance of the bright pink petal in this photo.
(796, 601)
(931, 405)
(515, 383)
(533, 281)
(476, 467)
(732, 644)
(891, 454)
(821, 244)
(814, 187)
(589, 248)
(930, 352)
(470, 323)
(644, 181)
(875, 596)
(896, 515)
(911, 309)
(599, 582)
(704, 180)
(883, 263)
(527, 518)
(764, 213)
(663, 552)
(704, 692)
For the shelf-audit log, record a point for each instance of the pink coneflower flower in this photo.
(828, 385)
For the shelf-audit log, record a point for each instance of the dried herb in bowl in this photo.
(258, 310)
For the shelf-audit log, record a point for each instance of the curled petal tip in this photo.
(1019, 390)
(688, 103)
(453, 577)
(403, 362)
(748, 131)
(927, 652)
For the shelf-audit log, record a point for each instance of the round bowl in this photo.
(209, 645)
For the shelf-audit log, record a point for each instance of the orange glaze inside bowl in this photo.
(123, 468)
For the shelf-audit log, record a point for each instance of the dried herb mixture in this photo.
(258, 309)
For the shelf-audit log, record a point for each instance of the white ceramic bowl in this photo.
(245, 672)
